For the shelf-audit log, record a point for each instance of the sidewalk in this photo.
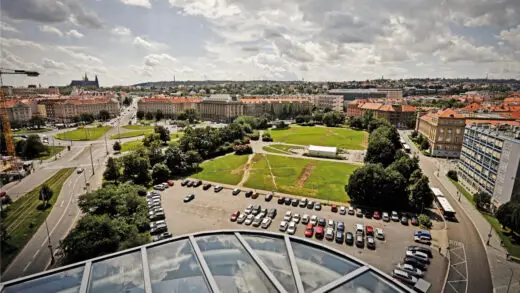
(501, 269)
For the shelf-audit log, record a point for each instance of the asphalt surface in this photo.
(463, 231)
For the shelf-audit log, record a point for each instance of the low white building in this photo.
(316, 150)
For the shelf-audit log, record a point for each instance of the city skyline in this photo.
(131, 41)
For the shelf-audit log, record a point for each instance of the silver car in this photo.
(249, 220)
(241, 218)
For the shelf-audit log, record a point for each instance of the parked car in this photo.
(295, 202)
(342, 210)
(334, 208)
(422, 240)
(161, 236)
(158, 187)
(170, 183)
(249, 219)
(206, 186)
(272, 213)
(157, 214)
(418, 255)
(190, 183)
(249, 193)
(351, 210)
(314, 220)
(385, 217)
(395, 216)
(404, 277)
(360, 229)
(197, 183)
(339, 237)
(303, 202)
(425, 250)
(266, 222)
(414, 220)
(257, 220)
(255, 195)
(377, 215)
(415, 262)
(380, 234)
(185, 182)
(340, 226)
(291, 229)
(234, 216)
(310, 205)
(158, 227)
(349, 238)
(329, 234)
(371, 243)
(235, 191)
(255, 210)
(368, 214)
(309, 230)
(80, 170)
(425, 234)
(305, 219)
(404, 220)
(331, 224)
(189, 197)
(319, 232)
(281, 200)
(296, 218)
(321, 222)
(283, 226)
(369, 230)
(241, 218)
(410, 270)
(269, 196)
(288, 216)
(249, 209)
(287, 201)
(359, 213)
(317, 206)
(218, 188)
(360, 242)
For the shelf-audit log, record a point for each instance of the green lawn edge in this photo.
(84, 134)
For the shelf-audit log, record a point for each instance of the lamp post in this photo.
(49, 241)
(106, 145)
(489, 235)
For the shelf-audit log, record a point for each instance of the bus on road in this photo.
(406, 148)
(445, 207)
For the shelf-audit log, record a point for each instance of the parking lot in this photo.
(212, 211)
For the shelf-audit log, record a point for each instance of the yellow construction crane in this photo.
(6, 126)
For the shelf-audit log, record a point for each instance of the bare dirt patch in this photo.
(329, 133)
(365, 140)
(306, 173)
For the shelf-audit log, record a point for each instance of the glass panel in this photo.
(367, 282)
(174, 268)
(318, 267)
(232, 267)
(67, 281)
(119, 274)
(273, 253)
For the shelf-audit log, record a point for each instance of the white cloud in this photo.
(142, 3)
(10, 60)
(51, 30)
(148, 45)
(75, 34)
(121, 31)
(78, 55)
(156, 59)
(5, 27)
(52, 64)
(19, 43)
(512, 36)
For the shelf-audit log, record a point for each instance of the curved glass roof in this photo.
(216, 261)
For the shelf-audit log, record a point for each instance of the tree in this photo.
(266, 136)
(380, 150)
(242, 149)
(425, 221)
(148, 115)
(37, 121)
(175, 159)
(113, 170)
(367, 118)
(376, 123)
(414, 134)
(281, 124)
(160, 173)
(425, 145)
(182, 116)
(420, 194)
(508, 215)
(150, 138)
(155, 153)
(317, 117)
(356, 122)
(136, 167)
(333, 118)
(140, 114)
(30, 148)
(405, 165)
(86, 117)
(452, 174)
(389, 132)
(482, 200)
(117, 146)
(127, 101)
(46, 194)
(193, 159)
(163, 132)
(159, 115)
(104, 115)
(191, 115)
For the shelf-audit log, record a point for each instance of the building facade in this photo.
(399, 116)
(67, 110)
(18, 110)
(333, 102)
(220, 108)
(168, 105)
(353, 108)
(278, 107)
(489, 161)
(85, 83)
(30, 91)
(444, 130)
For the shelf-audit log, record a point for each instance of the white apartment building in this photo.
(334, 102)
(168, 105)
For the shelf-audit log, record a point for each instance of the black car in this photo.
(317, 206)
(190, 184)
(272, 213)
(404, 220)
(185, 182)
(368, 214)
(422, 249)
(321, 222)
(197, 183)
(310, 205)
(415, 262)
(349, 238)
(249, 193)
(339, 237)
(269, 196)
(281, 200)
(206, 186)
(295, 202)
(287, 201)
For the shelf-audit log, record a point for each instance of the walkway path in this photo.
(245, 176)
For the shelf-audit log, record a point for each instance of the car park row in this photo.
(413, 266)
(158, 227)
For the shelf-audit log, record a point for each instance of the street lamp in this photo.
(49, 241)
(489, 235)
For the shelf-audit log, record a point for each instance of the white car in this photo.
(385, 217)
(266, 223)
(351, 210)
(292, 228)
(360, 229)
(249, 219)
(380, 234)
(329, 233)
(296, 218)
(419, 256)
(283, 226)
(314, 220)
(331, 224)
(410, 270)
(395, 216)
(257, 221)
(305, 219)
(288, 216)
(342, 210)
(241, 218)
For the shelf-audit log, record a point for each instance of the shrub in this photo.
(246, 140)
(267, 137)
(452, 174)
(242, 149)
(414, 134)
(255, 135)
(425, 221)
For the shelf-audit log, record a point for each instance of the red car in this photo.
(319, 232)
(376, 215)
(334, 208)
(170, 182)
(309, 230)
(234, 216)
(369, 231)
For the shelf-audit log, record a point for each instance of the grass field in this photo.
(131, 134)
(84, 133)
(131, 145)
(23, 130)
(139, 127)
(24, 217)
(324, 136)
(227, 169)
(312, 178)
(177, 135)
(50, 152)
(279, 148)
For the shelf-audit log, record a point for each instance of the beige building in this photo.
(30, 91)
(18, 110)
(334, 102)
(221, 108)
(276, 107)
(444, 130)
(168, 105)
(65, 110)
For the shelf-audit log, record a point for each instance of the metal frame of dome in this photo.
(208, 276)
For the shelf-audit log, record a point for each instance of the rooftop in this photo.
(216, 261)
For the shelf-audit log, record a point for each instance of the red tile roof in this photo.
(408, 108)
(449, 113)
(370, 106)
(170, 99)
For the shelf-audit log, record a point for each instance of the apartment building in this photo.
(220, 108)
(168, 105)
(353, 108)
(29, 91)
(398, 115)
(18, 110)
(67, 109)
(444, 130)
(490, 159)
(276, 107)
(333, 102)
(352, 94)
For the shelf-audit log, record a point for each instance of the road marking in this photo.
(61, 205)
(27, 266)
(37, 251)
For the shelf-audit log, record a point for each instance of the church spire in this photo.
(85, 78)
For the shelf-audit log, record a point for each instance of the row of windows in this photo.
(486, 138)
(482, 148)
(446, 147)
(484, 182)
(477, 184)
(479, 164)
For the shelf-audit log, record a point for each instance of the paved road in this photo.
(463, 231)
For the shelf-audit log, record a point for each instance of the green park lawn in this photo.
(279, 148)
(50, 152)
(84, 133)
(311, 178)
(226, 169)
(131, 134)
(176, 136)
(324, 136)
(139, 127)
(131, 145)
(24, 217)
(24, 130)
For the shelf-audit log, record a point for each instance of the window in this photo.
(458, 130)
(456, 139)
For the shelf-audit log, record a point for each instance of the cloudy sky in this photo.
(131, 41)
